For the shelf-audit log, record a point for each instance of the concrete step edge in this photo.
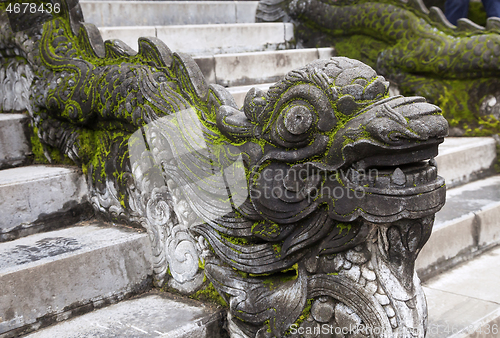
(40, 198)
(462, 232)
(464, 302)
(209, 39)
(233, 69)
(490, 323)
(465, 159)
(52, 276)
(140, 13)
(152, 314)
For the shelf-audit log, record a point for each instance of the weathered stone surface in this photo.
(30, 196)
(46, 276)
(15, 146)
(162, 13)
(262, 67)
(463, 159)
(464, 302)
(209, 39)
(467, 224)
(228, 38)
(151, 315)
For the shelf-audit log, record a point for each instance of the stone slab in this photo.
(129, 35)
(488, 219)
(45, 276)
(151, 315)
(227, 38)
(465, 301)
(14, 142)
(470, 197)
(449, 244)
(478, 278)
(462, 159)
(209, 39)
(263, 67)
(33, 194)
(452, 315)
(465, 226)
(164, 13)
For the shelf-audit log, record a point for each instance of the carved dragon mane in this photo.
(313, 199)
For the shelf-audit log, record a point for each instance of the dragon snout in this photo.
(404, 119)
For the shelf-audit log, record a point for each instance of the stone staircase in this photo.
(58, 262)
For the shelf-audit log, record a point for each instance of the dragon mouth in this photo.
(393, 175)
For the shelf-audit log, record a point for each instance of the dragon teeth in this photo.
(433, 162)
(398, 177)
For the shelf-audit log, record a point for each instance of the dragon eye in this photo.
(298, 119)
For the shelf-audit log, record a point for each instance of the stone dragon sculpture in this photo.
(416, 48)
(306, 209)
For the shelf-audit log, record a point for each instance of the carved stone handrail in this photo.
(305, 209)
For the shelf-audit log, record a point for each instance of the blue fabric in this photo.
(456, 9)
(492, 7)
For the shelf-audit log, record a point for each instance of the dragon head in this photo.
(331, 127)
(335, 169)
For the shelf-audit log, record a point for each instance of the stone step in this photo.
(154, 314)
(164, 13)
(465, 301)
(209, 39)
(41, 197)
(15, 147)
(240, 69)
(467, 225)
(51, 276)
(464, 159)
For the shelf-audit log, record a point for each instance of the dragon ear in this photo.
(254, 104)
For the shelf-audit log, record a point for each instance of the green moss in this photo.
(56, 156)
(274, 280)
(303, 316)
(477, 13)
(343, 226)
(201, 264)
(37, 148)
(209, 294)
(360, 47)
